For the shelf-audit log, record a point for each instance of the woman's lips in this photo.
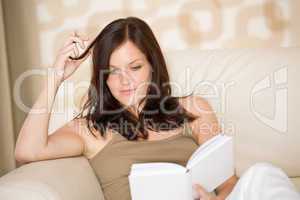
(127, 92)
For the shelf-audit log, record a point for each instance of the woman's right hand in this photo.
(64, 66)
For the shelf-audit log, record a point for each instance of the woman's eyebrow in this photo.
(128, 63)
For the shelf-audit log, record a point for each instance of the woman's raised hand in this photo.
(64, 66)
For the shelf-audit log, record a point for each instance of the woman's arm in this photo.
(34, 132)
(221, 192)
(206, 125)
(225, 189)
(204, 128)
(33, 142)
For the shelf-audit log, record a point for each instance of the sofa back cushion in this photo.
(254, 93)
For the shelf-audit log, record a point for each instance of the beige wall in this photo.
(6, 118)
(35, 29)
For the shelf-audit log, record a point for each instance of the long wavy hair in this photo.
(100, 98)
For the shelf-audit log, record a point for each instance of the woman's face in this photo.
(129, 74)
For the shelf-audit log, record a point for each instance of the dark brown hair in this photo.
(153, 113)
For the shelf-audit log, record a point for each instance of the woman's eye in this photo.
(137, 67)
(112, 71)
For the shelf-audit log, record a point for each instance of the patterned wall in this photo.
(37, 28)
(180, 24)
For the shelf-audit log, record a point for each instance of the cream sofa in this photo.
(254, 93)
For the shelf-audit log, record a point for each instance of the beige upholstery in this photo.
(258, 105)
(254, 93)
(59, 179)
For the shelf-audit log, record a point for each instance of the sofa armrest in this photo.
(59, 179)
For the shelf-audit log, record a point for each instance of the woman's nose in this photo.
(125, 78)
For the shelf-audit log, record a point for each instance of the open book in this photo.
(210, 165)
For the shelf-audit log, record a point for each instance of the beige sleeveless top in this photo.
(112, 164)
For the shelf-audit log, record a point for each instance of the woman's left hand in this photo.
(202, 193)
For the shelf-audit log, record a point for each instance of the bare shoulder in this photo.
(89, 134)
(80, 126)
(206, 125)
(196, 105)
(94, 141)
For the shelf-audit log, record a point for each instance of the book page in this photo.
(160, 181)
(213, 164)
(210, 143)
(154, 168)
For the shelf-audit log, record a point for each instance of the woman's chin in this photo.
(127, 102)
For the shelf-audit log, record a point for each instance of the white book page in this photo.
(213, 164)
(211, 143)
(160, 181)
(154, 168)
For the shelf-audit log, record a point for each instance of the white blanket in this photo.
(264, 181)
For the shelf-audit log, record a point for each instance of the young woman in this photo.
(129, 115)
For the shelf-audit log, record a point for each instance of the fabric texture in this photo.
(264, 181)
(58, 179)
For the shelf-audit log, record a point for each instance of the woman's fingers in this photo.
(82, 37)
(75, 49)
(71, 49)
(73, 39)
(202, 193)
(68, 48)
(84, 58)
(68, 53)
